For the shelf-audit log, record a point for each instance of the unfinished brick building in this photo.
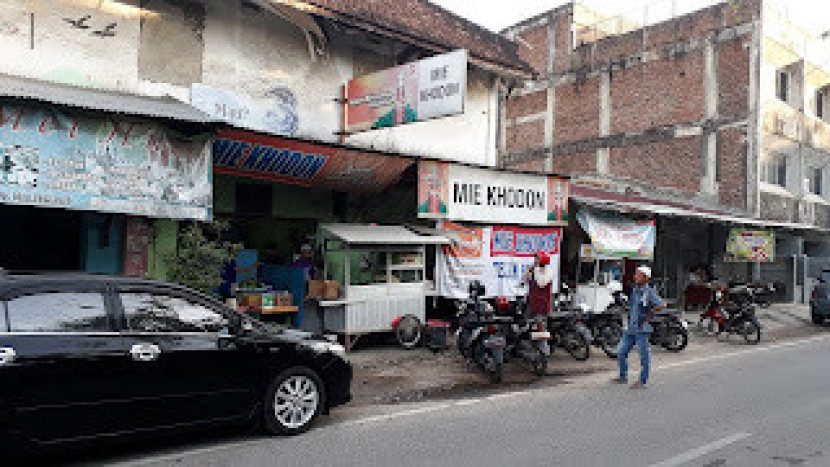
(715, 113)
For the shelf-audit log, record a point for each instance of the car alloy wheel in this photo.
(294, 400)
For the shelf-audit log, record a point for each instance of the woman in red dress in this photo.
(540, 278)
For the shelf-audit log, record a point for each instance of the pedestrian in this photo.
(643, 303)
(540, 279)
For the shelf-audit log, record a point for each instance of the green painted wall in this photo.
(164, 241)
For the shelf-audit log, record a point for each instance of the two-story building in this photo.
(120, 119)
(709, 118)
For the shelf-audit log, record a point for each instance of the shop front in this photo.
(80, 189)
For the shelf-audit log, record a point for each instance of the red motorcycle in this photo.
(732, 317)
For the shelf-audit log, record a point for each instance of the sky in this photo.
(498, 14)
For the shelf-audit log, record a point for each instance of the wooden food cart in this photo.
(384, 280)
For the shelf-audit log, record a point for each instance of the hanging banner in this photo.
(473, 194)
(423, 90)
(755, 246)
(619, 237)
(307, 164)
(91, 161)
(497, 256)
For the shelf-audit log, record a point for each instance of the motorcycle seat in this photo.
(668, 312)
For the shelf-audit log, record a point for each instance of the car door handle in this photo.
(7, 356)
(145, 352)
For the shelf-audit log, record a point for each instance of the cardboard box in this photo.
(316, 289)
(331, 290)
(284, 299)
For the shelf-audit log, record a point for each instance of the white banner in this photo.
(497, 256)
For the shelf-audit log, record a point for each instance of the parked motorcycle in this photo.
(669, 330)
(479, 337)
(606, 326)
(736, 316)
(567, 329)
(527, 335)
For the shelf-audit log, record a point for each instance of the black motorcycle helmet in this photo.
(476, 289)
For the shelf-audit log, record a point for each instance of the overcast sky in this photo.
(498, 14)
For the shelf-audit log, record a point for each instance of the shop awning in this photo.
(361, 234)
(687, 212)
(106, 101)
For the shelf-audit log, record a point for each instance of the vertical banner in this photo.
(497, 256)
(756, 246)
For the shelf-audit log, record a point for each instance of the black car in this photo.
(86, 358)
(820, 302)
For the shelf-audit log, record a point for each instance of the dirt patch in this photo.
(385, 374)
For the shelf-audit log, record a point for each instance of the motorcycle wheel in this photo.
(751, 332)
(610, 336)
(408, 331)
(577, 346)
(675, 339)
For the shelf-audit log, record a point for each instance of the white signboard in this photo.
(463, 193)
(413, 92)
(275, 112)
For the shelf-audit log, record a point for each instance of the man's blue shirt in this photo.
(643, 299)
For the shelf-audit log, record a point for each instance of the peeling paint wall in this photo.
(247, 62)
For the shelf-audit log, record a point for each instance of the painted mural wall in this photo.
(239, 62)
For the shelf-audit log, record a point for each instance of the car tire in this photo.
(408, 331)
(293, 401)
(817, 319)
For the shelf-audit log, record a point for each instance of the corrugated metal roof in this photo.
(359, 234)
(107, 101)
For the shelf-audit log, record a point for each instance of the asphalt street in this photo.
(756, 406)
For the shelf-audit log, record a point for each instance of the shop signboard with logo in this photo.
(619, 237)
(431, 88)
(498, 256)
(756, 246)
(473, 194)
(306, 164)
(79, 160)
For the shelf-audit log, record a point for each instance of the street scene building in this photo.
(414, 232)
(707, 119)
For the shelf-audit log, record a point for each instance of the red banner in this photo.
(300, 163)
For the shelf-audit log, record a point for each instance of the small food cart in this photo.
(382, 269)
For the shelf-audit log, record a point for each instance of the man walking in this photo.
(644, 302)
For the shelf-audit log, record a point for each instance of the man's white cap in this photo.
(645, 270)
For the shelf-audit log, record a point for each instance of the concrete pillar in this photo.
(550, 110)
(709, 183)
(753, 153)
(604, 121)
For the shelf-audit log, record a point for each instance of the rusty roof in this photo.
(431, 25)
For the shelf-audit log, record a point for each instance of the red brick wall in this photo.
(663, 92)
(529, 166)
(562, 38)
(528, 104)
(582, 162)
(577, 112)
(537, 56)
(525, 136)
(674, 163)
(732, 167)
(733, 79)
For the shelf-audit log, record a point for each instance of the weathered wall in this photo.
(252, 61)
(667, 107)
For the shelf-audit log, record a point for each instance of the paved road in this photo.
(755, 407)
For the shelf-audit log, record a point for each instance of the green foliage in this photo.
(198, 260)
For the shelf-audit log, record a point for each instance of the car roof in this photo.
(10, 281)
